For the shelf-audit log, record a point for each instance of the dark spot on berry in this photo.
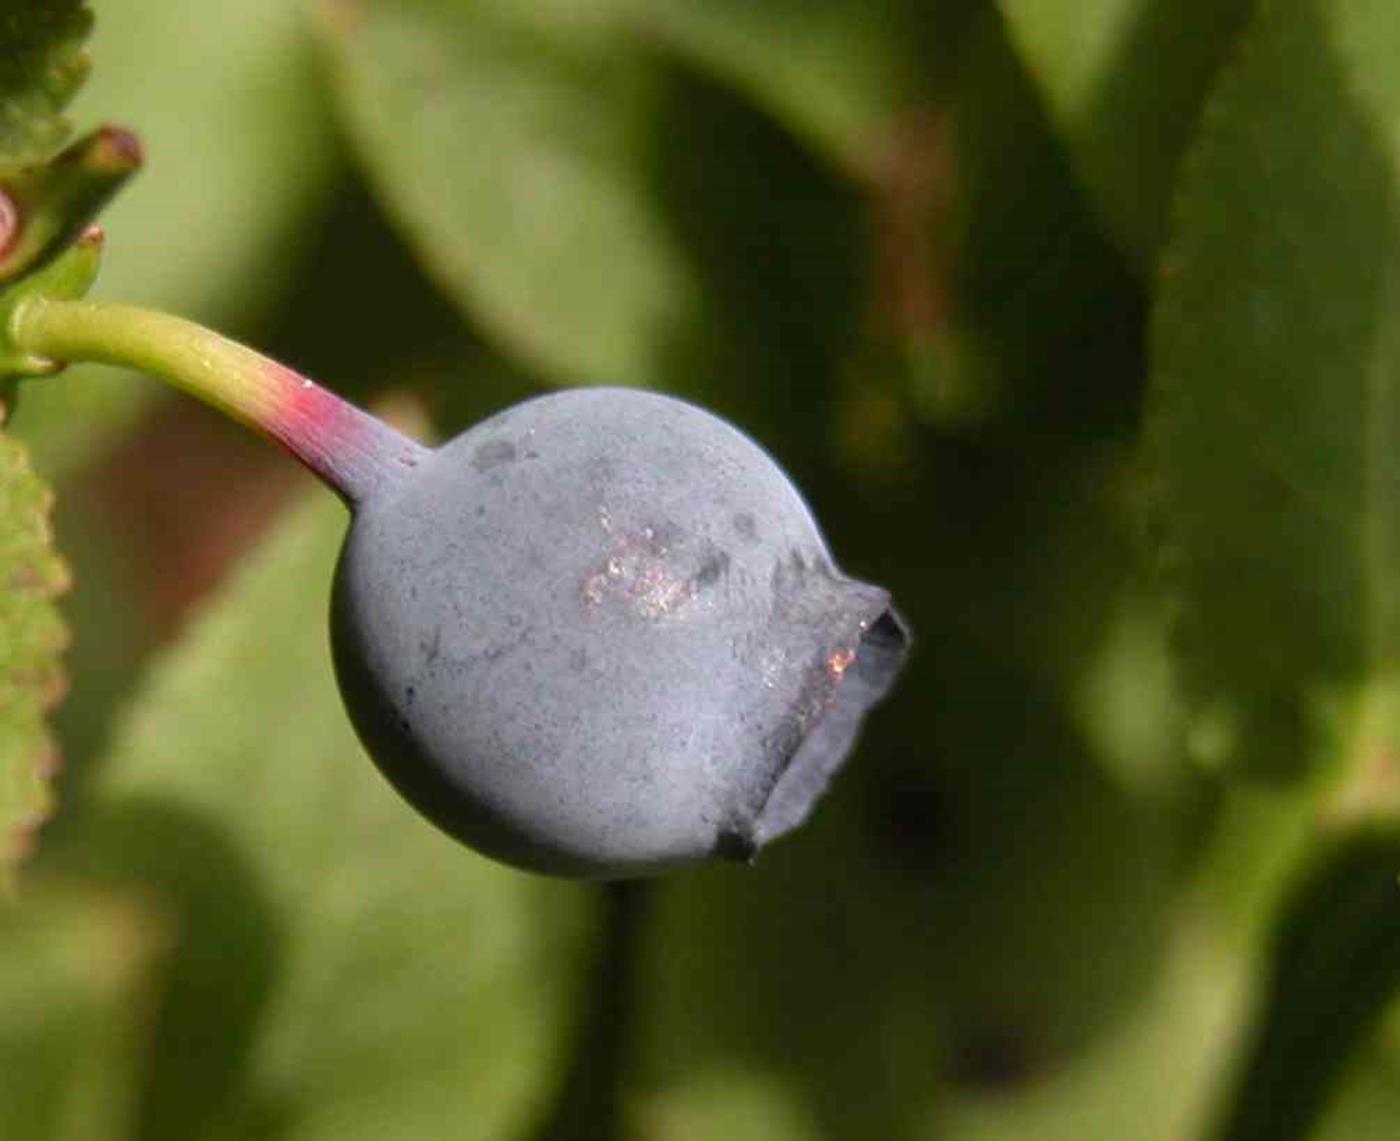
(492, 454)
(746, 526)
(712, 569)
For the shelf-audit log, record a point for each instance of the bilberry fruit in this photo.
(600, 634)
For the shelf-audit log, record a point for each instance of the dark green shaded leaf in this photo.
(971, 908)
(1277, 389)
(994, 301)
(342, 967)
(1125, 85)
(844, 75)
(780, 1004)
(1335, 962)
(1151, 1077)
(1367, 1104)
(42, 63)
(75, 971)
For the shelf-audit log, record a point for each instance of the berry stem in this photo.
(354, 453)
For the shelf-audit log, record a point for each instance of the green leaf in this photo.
(42, 64)
(1125, 83)
(991, 268)
(32, 638)
(1151, 1078)
(342, 967)
(523, 178)
(237, 114)
(240, 154)
(1276, 363)
(543, 185)
(752, 987)
(1335, 963)
(842, 74)
(75, 971)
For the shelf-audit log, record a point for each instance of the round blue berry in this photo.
(599, 634)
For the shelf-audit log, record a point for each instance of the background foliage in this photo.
(1078, 322)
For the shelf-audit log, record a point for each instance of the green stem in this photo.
(352, 451)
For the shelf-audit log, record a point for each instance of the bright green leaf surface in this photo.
(42, 63)
(517, 161)
(32, 637)
(343, 969)
(750, 1021)
(1125, 81)
(1277, 389)
(238, 155)
(75, 972)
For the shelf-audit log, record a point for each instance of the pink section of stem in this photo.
(354, 452)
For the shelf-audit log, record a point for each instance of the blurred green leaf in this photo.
(1168, 1052)
(1277, 390)
(239, 154)
(1125, 83)
(239, 150)
(42, 64)
(843, 74)
(75, 971)
(1042, 313)
(971, 907)
(755, 1014)
(1367, 1104)
(517, 159)
(70, 421)
(576, 195)
(32, 638)
(111, 635)
(976, 307)
(1334, 964)
(342, 968)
